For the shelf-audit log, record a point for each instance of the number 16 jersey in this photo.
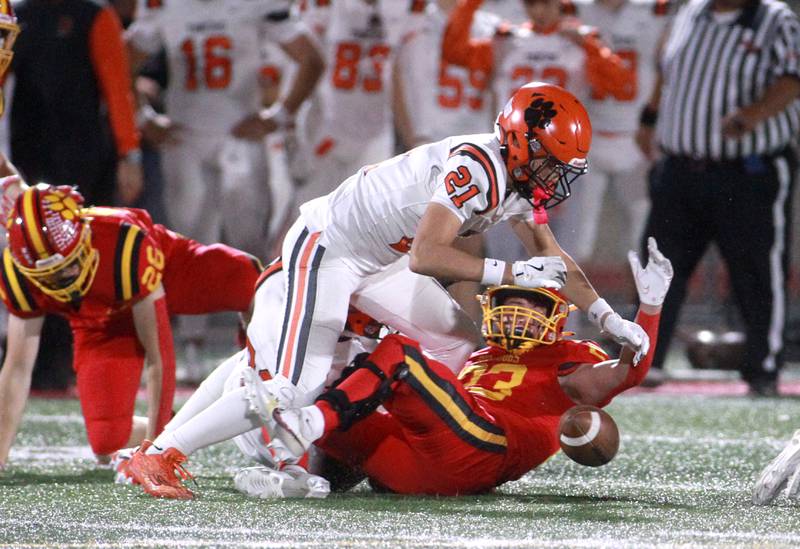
(213, 54)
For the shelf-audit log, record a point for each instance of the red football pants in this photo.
(108, 365)
(436, 438)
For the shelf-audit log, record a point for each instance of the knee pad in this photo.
(350, 412)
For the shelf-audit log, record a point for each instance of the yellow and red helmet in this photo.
(9, 30)
(545, 135)
(50, 242)
(517, 328)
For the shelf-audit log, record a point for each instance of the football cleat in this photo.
(292, 481)
(774, 477)
(119, 464)
(156, 473)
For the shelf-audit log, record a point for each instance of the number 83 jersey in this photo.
(213, 53)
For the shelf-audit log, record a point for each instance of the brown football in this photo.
(588, 435)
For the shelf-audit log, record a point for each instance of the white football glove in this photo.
(627, 333)
(540, 272)
(652, 281)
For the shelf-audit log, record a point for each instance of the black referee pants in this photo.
(745, 208)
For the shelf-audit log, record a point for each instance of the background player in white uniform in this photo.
(349, 123)
(634, 29)
(459, 104)
(216, 184)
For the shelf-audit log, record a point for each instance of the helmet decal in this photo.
(540, 113)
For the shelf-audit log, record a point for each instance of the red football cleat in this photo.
(157, 473)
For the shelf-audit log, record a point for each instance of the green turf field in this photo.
(682, 478)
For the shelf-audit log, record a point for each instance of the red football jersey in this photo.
(522, 393)
(135, 256)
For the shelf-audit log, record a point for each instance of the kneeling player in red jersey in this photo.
(496, 421)
(117, 277)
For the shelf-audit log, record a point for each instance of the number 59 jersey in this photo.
(213, 54)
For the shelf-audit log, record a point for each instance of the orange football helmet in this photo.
(545, 135)
(50, 242)
(517, 328)
(9, 30)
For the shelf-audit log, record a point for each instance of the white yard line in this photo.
(55, 418)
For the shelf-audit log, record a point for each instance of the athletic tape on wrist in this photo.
(598, 310)
(493, 270)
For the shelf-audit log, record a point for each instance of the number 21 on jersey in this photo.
(208, 62)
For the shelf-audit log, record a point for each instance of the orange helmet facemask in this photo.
(517, 328)
(545, 135)
(50, 243)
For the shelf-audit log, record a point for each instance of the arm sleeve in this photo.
(282, 23)
(785, 51)
(459, 48)
(144, 33)
(112, 70)
(468, 184)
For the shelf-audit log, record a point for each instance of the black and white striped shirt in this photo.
(712, 69)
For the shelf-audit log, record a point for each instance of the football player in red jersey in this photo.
(496, 421)
(117, 277)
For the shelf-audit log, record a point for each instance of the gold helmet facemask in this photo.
(9, 30)
(517, 328)
(66, 279)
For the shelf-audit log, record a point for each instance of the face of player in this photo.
(63, 277)
(544, 14)
(522, 325)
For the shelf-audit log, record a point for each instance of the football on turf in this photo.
(588, 435)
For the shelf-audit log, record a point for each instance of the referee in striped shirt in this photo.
(725, 113)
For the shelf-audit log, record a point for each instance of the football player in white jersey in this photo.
(351, 248)
(214, 163)
(349, 122)
(634, 29)
(459, 104)
(549, 48)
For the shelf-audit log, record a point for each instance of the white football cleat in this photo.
(264, 397)
(774, 477)
(291, 482)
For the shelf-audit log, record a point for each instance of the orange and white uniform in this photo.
(460, 102)
(616, 162)
(216, 184)
(349, 122)
(354, 243)
(518, 54)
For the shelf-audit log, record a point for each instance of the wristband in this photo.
(648, 117)
(598, 310)
(134, 156)
(145, 113)
(493, 271)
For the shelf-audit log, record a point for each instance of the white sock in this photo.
(208, 391)
(227, 417)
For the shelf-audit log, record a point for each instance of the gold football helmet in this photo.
(518, 327)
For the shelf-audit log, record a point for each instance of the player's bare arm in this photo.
(148, 324)
(15, 377)
(538, 239)
(433, 253)
(305, 52)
